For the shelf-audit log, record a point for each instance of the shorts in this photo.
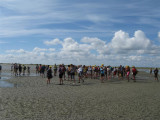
(102, 75)
(61, 75)
(134, 74)
(80, 74)
(156, 75)
(121, 74)
(49, 77)
(69, 73)
(72, 75)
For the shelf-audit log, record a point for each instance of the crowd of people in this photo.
(94, 72)
(68, 72)
(19, 69)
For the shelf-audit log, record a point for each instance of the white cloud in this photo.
(159, 35)
(16, 51)
(51, 49)
(93, 41)
(30, 15)
(97, 44)
(122, 49)
(36, 49)
(53, 42)
(122, 41)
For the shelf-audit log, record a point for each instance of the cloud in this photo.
(37, 55)
(48, 17)
(16, 51)
(122, 41)
(96, 44)
(53, 42)
(122, 49)
(36, 49)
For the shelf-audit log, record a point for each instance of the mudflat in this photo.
(32, 99)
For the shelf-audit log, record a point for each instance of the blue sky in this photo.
(81, 32)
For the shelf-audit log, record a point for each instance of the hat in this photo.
(50, 66)
(127, 66)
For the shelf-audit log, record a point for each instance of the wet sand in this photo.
(32, 99)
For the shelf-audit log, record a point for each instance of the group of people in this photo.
(18, 69)
(106, 72)
(93, 72)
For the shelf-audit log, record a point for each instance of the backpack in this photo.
(102, 71)
(63, 69)
(60, 70)
(156, 71)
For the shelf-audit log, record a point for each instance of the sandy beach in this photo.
(32, 99)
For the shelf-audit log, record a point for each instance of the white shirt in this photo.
(79, 70)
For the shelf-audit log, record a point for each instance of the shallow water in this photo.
(11, 74)
(144, 70)
(7, 75)
(4, 83)
(4, 78)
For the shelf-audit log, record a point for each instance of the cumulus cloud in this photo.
(37, 55)
(97, 44)
(94, 42)
(36, 49)
(53, 42)
(122, 49)
(123, 42)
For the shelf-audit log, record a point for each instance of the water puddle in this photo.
(4, 78)
(12, 74)
(144, 70)
(6, 74)
(4, 83)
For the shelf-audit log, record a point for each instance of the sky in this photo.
(90, 32)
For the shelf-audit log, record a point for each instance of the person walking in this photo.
(60, 74)
(49, 74)
(156, 74)
(134, 73)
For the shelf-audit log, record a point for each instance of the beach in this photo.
(32, 99)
